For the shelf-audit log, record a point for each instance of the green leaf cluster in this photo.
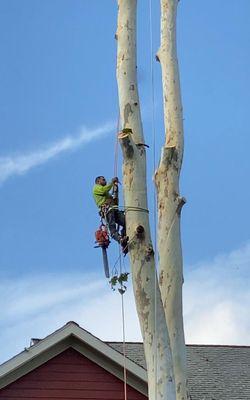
(119, 280)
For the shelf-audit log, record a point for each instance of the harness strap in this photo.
(104, 209)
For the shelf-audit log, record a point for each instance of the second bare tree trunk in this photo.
(169, 200)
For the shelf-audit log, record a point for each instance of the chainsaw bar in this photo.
(105, 262)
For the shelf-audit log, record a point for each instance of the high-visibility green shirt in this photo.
(101, 193)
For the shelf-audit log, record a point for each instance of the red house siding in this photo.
(69, 376)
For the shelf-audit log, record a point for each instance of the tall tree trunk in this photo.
(169, 200)
(145, 283)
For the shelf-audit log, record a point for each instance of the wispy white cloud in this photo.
(216, 304)
(217, 299)
(36, 306)
(20, 164)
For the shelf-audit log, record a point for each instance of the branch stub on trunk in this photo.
(126, 143)
(182, 201)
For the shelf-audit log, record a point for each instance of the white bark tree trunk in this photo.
(169, 200)
(145, 283)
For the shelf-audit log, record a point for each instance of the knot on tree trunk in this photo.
(140, 232)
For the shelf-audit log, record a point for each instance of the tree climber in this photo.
(106, 204)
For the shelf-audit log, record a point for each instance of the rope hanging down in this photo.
(116, 146)
(120, 264)
(123, 337)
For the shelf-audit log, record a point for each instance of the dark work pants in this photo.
(116, 217)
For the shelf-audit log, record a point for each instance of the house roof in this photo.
(214, 372)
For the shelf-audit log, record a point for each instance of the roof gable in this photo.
(69, 375)
(72, 335)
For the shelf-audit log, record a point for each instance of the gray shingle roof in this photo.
(214, 372)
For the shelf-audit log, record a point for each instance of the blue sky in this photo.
(58, 116)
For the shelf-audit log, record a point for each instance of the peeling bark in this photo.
(169, 200)
(145, 284)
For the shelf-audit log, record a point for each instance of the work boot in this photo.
(124, 244)
(116, 237)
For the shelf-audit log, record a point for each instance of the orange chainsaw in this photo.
(102, 240)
